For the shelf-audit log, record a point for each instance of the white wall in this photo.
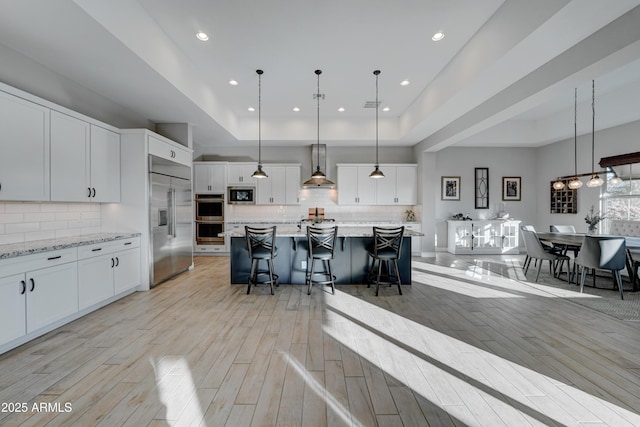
(462, 161)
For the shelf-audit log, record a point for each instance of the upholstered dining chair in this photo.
(535, 250)
(604, 253)
(547, 246)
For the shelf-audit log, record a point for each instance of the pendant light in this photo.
(318, 178)
(575, 182)
(595, 180)
(377, 173)
(259, 173)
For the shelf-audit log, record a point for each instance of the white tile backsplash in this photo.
(28, 221)
(311, 198)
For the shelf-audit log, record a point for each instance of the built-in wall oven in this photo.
(209, 212)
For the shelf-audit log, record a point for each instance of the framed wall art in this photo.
(511, 188)
(482, 188)
(450, 188)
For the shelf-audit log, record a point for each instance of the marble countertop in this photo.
(350, 223)
(36, 246)
(294, 231)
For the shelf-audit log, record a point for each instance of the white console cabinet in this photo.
(483, 237)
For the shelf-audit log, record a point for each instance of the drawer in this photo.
(21, 264)
(97, 249)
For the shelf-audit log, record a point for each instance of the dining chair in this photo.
(322, 246)
(535, 250)
(387, 243)
(564, 249)
(547, 246)
(261, 243)
(605, 253)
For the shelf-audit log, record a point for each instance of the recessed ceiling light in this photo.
(386, 109)
(233, 83)
(251, 109)
(437, 36)
(202, 36)
(405, 82)
(341, 109)
(296, 109)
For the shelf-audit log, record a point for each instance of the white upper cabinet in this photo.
(240, 174)
(292, 185)
(24, 150)
(281, 187)
(398, 187)
(170, 150)
(105, 165)
(354, 185)
(85, 161)
(210, 178)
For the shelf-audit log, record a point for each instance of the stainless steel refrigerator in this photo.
(171, 220)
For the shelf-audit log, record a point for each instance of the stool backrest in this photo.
(562, 229)
(607, 253)
(260, 238)
(385, 239)
(322, 237)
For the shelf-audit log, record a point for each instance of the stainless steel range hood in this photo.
(319, 156)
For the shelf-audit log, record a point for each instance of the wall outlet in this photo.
(303, 264)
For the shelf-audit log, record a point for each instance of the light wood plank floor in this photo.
(462, 346)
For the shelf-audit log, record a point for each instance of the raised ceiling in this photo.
(503, 75)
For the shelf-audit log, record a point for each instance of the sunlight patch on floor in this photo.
(481, 283)
(176, 389)
(434, 364)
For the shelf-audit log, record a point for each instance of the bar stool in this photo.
(387, 243)
(262, 247)
(322, 245)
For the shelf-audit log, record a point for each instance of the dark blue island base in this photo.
(350, 266)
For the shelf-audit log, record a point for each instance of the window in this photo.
(622, 201)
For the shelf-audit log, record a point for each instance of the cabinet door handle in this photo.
(117, 261)
(96, 249)
(54, 257)
(112, 263)
(33, 284)
(89, 188)
(94, 193)
(127, 243)
(24, 287)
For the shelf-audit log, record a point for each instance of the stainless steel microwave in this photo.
(241, 195)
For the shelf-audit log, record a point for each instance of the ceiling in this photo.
(503, 75)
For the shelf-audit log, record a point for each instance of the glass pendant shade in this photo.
(558, 185)
(595, 181)
(615, 180)
(574, 184)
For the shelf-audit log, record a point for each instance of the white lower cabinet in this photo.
(42, 291)
(107, 269)
(38, 290)
(483, 237)
(13, 307)
(52, 294)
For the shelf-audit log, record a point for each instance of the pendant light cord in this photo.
(593, 125)
(377, 72)
(575, 132)
(259, 72)
(318, 72)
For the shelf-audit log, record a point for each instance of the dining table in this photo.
(632, 244)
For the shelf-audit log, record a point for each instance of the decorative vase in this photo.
(592, 229)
